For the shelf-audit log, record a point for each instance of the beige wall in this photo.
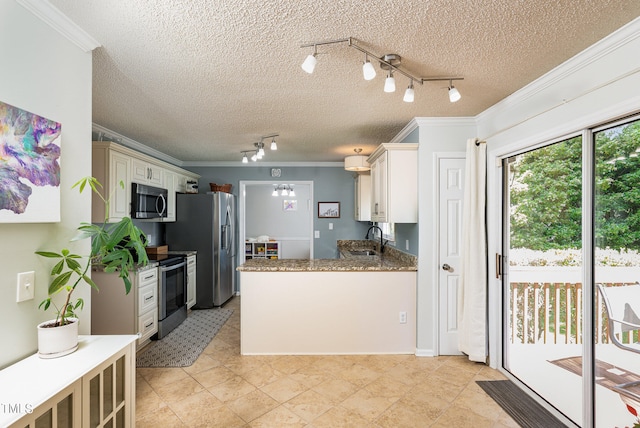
(44, 73)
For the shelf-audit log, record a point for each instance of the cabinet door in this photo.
(139, 171)
(107, 393)
(120, 185)
(363, 197)
(63, 410)
(169, 184)
(191, 281)
(379, 189)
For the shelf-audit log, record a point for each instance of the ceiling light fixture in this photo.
(258, 152)
(368, 71)
(356, 162)
(409, 94)
(389, 62)
(285, 190)
(454, 94)
(310, 62)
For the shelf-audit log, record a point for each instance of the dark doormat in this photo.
(522, 408)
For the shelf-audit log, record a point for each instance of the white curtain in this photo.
(472, 291)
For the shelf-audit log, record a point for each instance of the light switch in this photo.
(330, 226)
(316, 234)
(26, 286)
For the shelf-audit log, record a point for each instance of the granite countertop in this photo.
(391, 260)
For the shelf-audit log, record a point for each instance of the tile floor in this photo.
(225, 389)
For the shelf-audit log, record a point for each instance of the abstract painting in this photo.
(29, 167)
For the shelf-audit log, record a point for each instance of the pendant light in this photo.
(356, 162)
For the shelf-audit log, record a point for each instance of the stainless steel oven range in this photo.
(172, 292)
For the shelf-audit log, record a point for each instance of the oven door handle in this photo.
(172, 267)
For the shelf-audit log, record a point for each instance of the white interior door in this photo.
(450, 196)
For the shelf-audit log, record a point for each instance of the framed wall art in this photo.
(29, 167)
(328, 209)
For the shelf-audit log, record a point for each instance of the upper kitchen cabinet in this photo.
(362, 192)
(146, 173)
(113, 163)
(394, 183)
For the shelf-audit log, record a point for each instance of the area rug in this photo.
(522, 408)
(185, 343)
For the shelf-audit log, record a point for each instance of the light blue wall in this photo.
(331, 184)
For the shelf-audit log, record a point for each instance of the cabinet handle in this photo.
(376, 210)
(148, 277)
(146, 299)
(148, 325)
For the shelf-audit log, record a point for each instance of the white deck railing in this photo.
(546, 304)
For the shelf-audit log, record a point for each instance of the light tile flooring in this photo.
(225, 389)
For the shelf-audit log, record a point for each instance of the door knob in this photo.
(446, 267)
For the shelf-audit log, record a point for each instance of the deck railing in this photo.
(551, 312)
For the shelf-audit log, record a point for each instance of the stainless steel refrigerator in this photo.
(206, 222)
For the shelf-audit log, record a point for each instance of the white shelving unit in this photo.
(262, 250)
(93, 386)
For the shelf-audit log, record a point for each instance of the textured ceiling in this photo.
(201, 80)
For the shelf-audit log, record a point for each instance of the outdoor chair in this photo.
(623, 311)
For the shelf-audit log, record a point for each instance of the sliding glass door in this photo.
(571, 296)
(616, 274)
(542, 281)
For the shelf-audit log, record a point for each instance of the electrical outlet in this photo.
(26, 286)
(407, 244)
(316, 234)
(330, 226)
(402, 316)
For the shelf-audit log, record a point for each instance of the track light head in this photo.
(390, 83)
(409, 94)
(367, 69)
(454, 94)
(274, 146)
(310, 62)
(244, 158)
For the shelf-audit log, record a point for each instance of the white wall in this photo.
(44, 73)
(596, 86)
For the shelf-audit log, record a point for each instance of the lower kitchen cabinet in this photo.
(114, 312)
(91, 387)
(191, 281)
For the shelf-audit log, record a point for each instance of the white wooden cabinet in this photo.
(394, 183)
(114, 312)
(169, 183)
(113, 170)
(146, 173)
(113, 163)
(363, 197)
(91, 387)
(191, 281)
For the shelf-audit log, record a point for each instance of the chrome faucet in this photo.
(382, 244)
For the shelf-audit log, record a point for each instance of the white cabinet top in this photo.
(34, 380)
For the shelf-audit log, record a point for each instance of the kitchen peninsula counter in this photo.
(351, 305)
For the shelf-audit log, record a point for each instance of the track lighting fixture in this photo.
(388, 62)
(258, 152)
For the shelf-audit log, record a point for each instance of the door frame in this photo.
(242, 210)
(437, 156)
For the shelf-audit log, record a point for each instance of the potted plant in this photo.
(115, 247)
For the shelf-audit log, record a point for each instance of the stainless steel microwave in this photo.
(148, 201)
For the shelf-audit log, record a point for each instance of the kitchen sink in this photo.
(363, 252)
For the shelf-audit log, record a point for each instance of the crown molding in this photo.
(134, 145)
(593, 53)
(417, 122)
(61, 23)
(238, 164)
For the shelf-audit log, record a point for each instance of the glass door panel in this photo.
(542, 281)
(616, 274)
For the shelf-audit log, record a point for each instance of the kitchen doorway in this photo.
(268, 212)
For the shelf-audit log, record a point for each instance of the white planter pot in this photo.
(55, 342)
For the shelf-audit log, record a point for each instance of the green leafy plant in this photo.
(113, 246)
